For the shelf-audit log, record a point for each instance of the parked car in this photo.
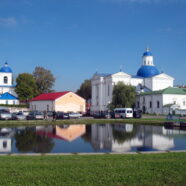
(24, 112)
(62, 115)
(5, 114)
(18, 116)
(137, 113)
(49, 115)
(74, 115)
(123, 112)
(35, 115)
(107, 115)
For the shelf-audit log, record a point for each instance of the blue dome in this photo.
(6, 68)
(147, 71)
(147, 53)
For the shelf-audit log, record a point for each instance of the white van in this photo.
(123, 113)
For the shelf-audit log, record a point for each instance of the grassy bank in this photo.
(140, 169)
(149, 121)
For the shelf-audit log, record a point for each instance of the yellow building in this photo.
(58, 101)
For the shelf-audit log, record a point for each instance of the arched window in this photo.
(5, 80)
(158, 104)
(150, 104)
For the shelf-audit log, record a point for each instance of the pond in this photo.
(91, 138)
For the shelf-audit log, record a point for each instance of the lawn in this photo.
(149, 121)
(138, 169)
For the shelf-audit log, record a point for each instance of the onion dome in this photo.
(147, 71)
(6, 68)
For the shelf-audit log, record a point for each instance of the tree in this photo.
(26, 87)
(85, 90)
(123, 95)
(44, 79)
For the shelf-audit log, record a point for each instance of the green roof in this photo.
(170, 90)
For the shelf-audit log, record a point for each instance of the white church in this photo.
(7, 88)
(155, 90)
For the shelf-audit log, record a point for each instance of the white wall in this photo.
(148, 83)
(41, 105)
(144, 101)
(175, 99)
(10, 102)
(98, 93)
(9, 76)
(164, 99)
(136, 81)
(159, 83)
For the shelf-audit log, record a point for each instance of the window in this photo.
(13, 102)
(4, 144)
(5, 80)
(184, 103)
(47, 107)
(174, 102)
(138, 104)
(6, 102)
(158, 104)
(150, 104)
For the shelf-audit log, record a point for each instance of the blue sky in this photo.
(76, 38)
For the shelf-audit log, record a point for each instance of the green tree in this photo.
(123, 95)
(26, 87)
(85, 90)
(44, 79)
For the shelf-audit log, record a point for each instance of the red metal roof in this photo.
(49, 96)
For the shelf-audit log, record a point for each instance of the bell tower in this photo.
(147, 58)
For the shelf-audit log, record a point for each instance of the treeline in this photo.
(30, 85)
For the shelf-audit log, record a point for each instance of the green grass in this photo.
(149, 121)
(138, 169)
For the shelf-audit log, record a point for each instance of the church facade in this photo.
(7, 89)
(148, 79)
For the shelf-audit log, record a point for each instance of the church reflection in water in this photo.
(91, 138)
(128, 137)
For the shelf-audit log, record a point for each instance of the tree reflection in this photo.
(28, 141)
(43, 145)
(122, 136)
(87, 136)
(25, 140)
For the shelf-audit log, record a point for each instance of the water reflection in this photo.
(91, 138)
(64, 132)
(6, 135)
(122, 138)
(27, 140)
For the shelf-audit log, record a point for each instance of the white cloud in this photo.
(8, 22)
